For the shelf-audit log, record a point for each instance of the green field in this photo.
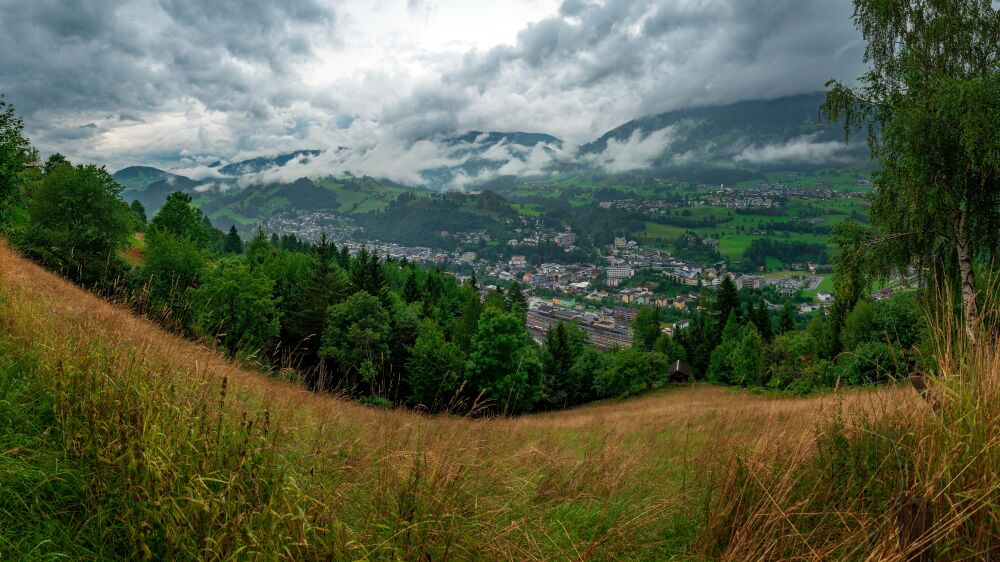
(527, 209)
(233, 216)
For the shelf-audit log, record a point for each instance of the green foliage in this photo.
(931, 103)
(670, 348)
(326, 285)
(630, 371)
(234, 307)
(747, 358)
(14, 152)
(789, 358)
(787, 251)
(139, 211)
(898, 320)
(366, 272)
(762, 319)
(496, 301)
(411, 292)
(739, 357)
(854, 266)
(53, 161)
(859, 327)
(589, 365)
(516, 301)
(259, 250)
(179, 217)
(79, 223)
(504, 364)
(786, 321)
(174, 267)
(356, 339)
(468, 322)
(698, 340)
(561, 383)
(727, 302)
(646, 329)
(233, 244)
(289, 272)
(823, 332)
(435, 369)
(895, 321)
(870, 362)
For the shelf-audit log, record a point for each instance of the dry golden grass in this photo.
(900, 478)
(605, 481)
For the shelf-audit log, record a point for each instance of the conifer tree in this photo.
(411, 291)
(727, 302)
(762, 319)
(139, 211)
(259, 249)
(233, 244)
(516, 301)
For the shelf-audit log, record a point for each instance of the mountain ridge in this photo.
(749, 136)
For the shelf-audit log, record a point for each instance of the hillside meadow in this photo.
(122, 439)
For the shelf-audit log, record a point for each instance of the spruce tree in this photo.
(411, 291)
(468, 322)
(233, 244)
(516, 301)
(750, 313)
(763, 321)
(786, 322)
(727, 301)
(259, 249)
(138, 209)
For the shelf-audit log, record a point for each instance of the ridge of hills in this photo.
(742, 138)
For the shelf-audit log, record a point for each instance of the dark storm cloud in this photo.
(220, 78)
(130, 58)
(660, 55)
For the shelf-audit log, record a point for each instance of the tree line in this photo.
(735, 339)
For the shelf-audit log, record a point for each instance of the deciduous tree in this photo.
(931, 105)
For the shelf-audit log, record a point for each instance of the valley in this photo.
(586, 280)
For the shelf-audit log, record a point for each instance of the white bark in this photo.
(968, 278)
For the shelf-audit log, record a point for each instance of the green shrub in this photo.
(871, 362)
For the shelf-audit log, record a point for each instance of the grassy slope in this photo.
(125, 440)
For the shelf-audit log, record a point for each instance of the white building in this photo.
(620, 272)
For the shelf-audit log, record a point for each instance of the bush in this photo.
(871, 362)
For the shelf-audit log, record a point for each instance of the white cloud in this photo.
(800, 150)
(638, 152)
(180, 83)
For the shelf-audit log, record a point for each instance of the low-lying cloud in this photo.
(800, 150)
(638, 152)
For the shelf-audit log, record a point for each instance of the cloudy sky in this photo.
(180, 83)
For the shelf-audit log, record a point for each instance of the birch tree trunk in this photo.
(968, 277)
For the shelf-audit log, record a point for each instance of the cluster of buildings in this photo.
(764, 195)
(472, 238)
(312, 225)
(605, 328)
(648, 206)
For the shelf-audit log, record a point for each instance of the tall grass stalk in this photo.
(914, 478)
